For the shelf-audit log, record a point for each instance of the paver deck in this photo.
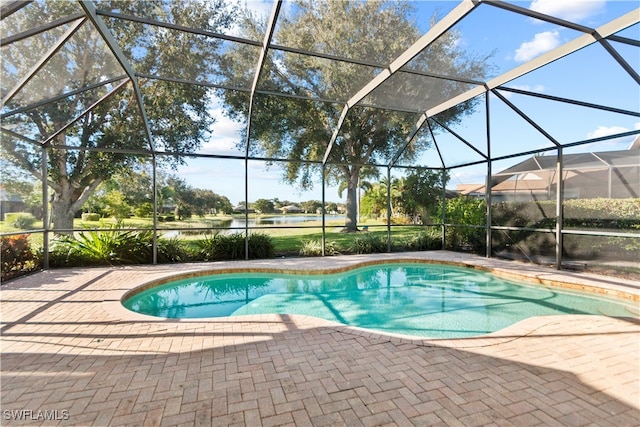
(71, 352)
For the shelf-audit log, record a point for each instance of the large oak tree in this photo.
(300, 129)
(178, 114)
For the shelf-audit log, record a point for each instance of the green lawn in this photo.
(133, 222)
(286, 240)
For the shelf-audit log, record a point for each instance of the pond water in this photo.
(239, 222)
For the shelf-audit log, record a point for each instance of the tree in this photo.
(301, 130)
(311, 206)
(116, 205)
(375, 199)
(331, 207)
(422, 193)
(16, 181)
(263, 206)
(178, 115)
(210, 202)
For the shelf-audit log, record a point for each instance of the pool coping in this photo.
(512, 270)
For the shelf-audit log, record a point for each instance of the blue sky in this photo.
(590, 75)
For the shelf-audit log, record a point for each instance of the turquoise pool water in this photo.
(425, 300)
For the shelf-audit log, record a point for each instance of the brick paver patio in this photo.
(71, 352)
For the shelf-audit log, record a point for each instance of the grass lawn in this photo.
(286, 240)
(133, 222)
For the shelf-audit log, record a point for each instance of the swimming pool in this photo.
(423, 300)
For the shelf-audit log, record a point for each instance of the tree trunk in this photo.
(62, 213)
(351, 219)
(66, 201)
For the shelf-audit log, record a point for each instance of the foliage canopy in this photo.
(300, 128)
(178, 114)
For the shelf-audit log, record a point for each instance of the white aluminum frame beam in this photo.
(43, 61)
(35, 31)
(588, 30)
(585, 40)
(8, 9)
(99, 24)
(86, 111)
(61, 96)
(264, 50)
(452, 18)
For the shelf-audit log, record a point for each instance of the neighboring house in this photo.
(609, 174)
(241, 209)
(290, 209)
(9, 202)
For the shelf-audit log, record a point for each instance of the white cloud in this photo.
(571, 10)
(225, 134)
(541, 43)
(606, 131)
(617, 143)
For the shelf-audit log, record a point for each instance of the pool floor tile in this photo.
(68, 345)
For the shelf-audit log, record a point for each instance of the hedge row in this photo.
(615, 214)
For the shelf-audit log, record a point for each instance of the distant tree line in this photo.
(276, 205)
(130, 192)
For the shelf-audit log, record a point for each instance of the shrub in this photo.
(467, 212)
(20, 220)
(173, 250)
(261, 246)
(144, 210)
(399, 220)
(368, 244)
(424, 241)
(231, 246)
(113, 246)
(314, 248)
(597, 213)
(91, 217)
(222, 247)
(17, 256)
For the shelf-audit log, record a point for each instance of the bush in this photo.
(91, 217)
(231, 246)
(261, 246)
(144, 210)
(17, 256)
(114, 246)
(173, 250)
(20, 220)
(598, 213)
(467, 212)
(222, 247)
(424, 241)
(399, 220)
(314, 248)
(369, 244)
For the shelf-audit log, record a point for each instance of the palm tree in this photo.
(395, 190)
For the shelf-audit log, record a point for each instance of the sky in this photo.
(591, 75)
